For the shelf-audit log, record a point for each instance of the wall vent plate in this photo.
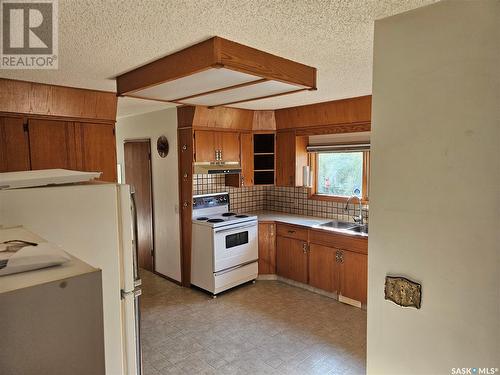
(403, 292)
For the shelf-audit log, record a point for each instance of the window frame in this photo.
(313, 192)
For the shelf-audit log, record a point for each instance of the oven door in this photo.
(235, 245)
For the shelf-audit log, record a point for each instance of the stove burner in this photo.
(202, 218)
(215, 221)
(241, 216)
(226, 214)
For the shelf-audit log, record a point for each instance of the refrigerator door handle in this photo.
(135, 237)
(136, 292)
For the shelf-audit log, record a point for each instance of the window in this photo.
(341, 175)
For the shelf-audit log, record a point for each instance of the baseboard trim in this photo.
(167, 278)
(312, 289)
(267, 277)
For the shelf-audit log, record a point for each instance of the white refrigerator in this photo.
(96, 223)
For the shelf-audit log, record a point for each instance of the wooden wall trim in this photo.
(338, 112)
(56, 118)
(333, 129)
(56, 101)
(185, 153)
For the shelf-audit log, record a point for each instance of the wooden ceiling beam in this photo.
(216, 53)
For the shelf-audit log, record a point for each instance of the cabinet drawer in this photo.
(339, 241)
(291, 231)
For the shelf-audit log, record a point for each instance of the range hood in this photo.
(216, 72)
(217, 168)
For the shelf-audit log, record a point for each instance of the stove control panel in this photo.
(206, 201)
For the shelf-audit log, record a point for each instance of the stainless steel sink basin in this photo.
(363, 229)
(360, 229)
(339, 225)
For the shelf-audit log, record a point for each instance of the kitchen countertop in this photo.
(312, 222)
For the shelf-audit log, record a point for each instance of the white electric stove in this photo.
(225, 244)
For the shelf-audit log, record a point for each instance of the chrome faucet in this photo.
(357, 219)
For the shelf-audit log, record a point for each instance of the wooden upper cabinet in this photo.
(323, 273)
(245, 178)
(229, 144)
(204, 146)
(211, 146)
(291, 259)
(247, 159)
(291, 156)
(14, 145)
(353, 276)
(98, 149)
(285, 159)
(78, 146)
(52, 144)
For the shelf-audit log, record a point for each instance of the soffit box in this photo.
(339, 139)
(216, 72)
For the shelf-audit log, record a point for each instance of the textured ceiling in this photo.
(98, 40)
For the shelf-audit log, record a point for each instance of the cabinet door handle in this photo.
(304, 248)
(291, 231)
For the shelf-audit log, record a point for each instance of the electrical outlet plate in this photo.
(403, 292)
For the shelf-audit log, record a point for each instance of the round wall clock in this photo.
(162, 146)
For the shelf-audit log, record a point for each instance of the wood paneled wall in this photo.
(338, 116)
(57, 101)
(218, 117)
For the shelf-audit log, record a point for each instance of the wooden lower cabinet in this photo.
(291, 259)
(353, 276)
(321, 260)
(323, 272)
(267, 248)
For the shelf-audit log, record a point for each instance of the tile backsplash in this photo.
(292, 200)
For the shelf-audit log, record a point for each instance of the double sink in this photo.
(344, 225)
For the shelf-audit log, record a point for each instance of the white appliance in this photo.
(225, 245)
(94, 222)
(64, 301)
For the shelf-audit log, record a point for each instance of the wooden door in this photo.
(14, 145)
(291, 259)
(285, 158)
(229, 145)
(246, 159)
(52, 144)
(138, 175)
(354, 276)
(322, 267)
(267, 249)
(98, 149)
(204, 146)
